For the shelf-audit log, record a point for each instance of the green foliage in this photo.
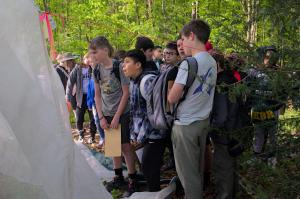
(278, 22)
(123, 20)
(116, 194)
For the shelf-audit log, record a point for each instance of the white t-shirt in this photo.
(199, 99)
(85, 79)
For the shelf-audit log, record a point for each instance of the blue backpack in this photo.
(156, 96)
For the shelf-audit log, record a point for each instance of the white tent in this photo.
(38, 159)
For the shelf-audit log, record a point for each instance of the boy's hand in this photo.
(115, 122)
(136, 145)
(69, 106)
(103, 123)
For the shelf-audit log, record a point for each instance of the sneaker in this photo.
(132, 187)
(179, 192)
(116, 183)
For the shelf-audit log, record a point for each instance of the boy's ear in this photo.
(139, 65)
(192, 36)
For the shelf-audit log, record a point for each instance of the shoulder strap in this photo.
(192, 70)
(192, 73)
(142, 84)
(96, 72)
(63, 71)
(116, 69)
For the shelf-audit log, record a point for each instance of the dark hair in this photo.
(101, 42)
(137, 56)
(219, 57)
(200, 28)
(173, 46)
(269, 48)
(144, 43)
(120, 55)
(235, 60)
(157, 47)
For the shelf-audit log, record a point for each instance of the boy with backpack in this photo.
(142, 132)
(111, 97)
(191, 123)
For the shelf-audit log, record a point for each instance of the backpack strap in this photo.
(96, 72)
(142, 84)
(192, 73)
(116, 69)
(62, 70)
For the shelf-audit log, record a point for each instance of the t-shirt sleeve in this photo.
(182, 74)
(124, 80)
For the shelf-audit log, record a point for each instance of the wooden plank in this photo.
(112, 147)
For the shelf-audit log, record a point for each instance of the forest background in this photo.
(237, 26)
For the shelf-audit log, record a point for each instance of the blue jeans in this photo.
(97, 122)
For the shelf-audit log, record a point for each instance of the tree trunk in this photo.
(137, 12)
(46, 8)
(195, 13)
(149, 8)
(251, 10)
(164, 14)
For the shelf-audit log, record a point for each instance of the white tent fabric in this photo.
(38, 157)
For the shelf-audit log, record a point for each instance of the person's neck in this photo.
(137, 74)
(107, 63)
(198, 47)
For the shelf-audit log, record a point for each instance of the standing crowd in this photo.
(168, 98)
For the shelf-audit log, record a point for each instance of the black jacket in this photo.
(63, 75)
(225, 113)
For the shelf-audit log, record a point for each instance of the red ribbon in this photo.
(45, 16)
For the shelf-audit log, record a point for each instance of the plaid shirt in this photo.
(140, 127)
